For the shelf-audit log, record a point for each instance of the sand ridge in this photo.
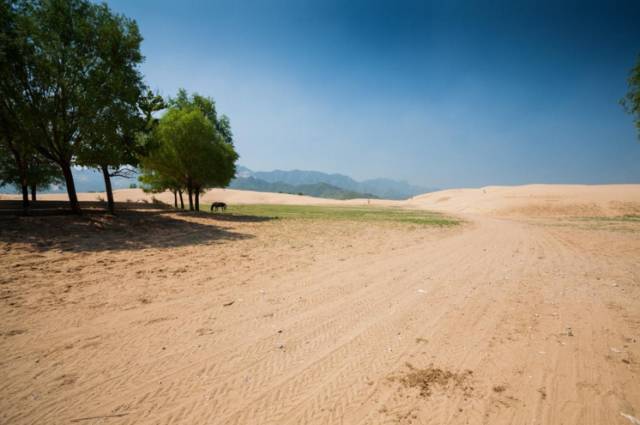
(536, 200)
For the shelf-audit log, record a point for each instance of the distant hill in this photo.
(312, 183)
(320, 190)
(381, 188)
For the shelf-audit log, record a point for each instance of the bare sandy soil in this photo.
(528, 313)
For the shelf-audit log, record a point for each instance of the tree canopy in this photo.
(68, 79)
(190, 153)
(631, 102)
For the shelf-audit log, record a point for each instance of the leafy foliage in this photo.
(190, 151)
(631, 102)
(208, 108)
(69, 77)
(150, 103)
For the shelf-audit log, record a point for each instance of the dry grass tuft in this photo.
(425, 379)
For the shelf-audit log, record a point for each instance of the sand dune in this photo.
(536, 200)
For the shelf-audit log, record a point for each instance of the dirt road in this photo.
(497, 321)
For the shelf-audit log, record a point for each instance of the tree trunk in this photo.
(190, 190)
(181, 200)
(33, 192)
(21, 164)
(25, 198)
(175, 199)
(197, 193)
(107, 186)
(71, 188)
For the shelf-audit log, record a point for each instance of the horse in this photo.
(218, 205)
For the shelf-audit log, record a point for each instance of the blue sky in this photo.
(442, 94)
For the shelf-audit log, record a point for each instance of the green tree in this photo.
(222, 126)
(14, 149)
(190, 153)
(63, 63)
(631, 102)
(26, 171)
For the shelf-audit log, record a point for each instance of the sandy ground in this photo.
(526, 314)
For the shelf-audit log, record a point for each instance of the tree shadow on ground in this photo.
(57, 208)
(48, 207)
(129, 229)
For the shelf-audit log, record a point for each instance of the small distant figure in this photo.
(218, 205)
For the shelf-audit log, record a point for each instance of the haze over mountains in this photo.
(311, 183)
(316, 183)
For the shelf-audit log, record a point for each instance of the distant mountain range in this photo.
(312, 183)
(320, 190)
(316, 183)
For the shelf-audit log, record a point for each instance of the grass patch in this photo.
(616, 219)
(344, 213)
(623, 223)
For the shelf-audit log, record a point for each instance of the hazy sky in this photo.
(443, 94)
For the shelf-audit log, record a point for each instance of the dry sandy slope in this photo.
(123, 321)
(536, 200)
